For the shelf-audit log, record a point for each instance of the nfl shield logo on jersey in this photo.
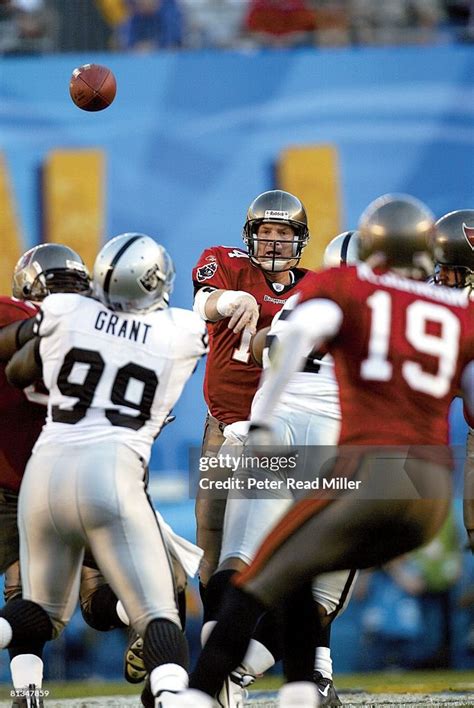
(469, 234)
(206, 271)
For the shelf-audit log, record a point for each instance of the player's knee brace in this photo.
(164, 643)
(28, 621)
(100, 610)
(214, 593)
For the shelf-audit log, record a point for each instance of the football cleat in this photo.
(231, 695)
(241, 678)
(28, 698)
(133, 666)
(326, 691)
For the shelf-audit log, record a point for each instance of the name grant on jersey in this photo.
(131, 329)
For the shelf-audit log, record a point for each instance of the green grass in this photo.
(391, 682)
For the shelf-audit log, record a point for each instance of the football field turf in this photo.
(427, 688)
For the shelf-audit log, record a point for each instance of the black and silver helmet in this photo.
(342, 250)
(276, 206)
(453, 247)
(399, 229)
(49, 268)
(133, 273)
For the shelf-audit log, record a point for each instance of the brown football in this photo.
(92, 87)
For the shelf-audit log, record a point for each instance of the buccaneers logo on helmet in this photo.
(468, 232)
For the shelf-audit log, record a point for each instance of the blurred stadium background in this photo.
(361, 97)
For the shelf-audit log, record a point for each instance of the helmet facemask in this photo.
(274, 261)
(452, 276)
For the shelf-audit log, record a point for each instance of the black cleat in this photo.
(133, 666)
(328, 697)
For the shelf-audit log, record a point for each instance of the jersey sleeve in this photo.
(210, 271)
(14, 311)
(192, 332)
(53, 309)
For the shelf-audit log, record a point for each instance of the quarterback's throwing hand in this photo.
(243, 314)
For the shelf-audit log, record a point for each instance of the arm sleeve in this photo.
(307, 327)
(210, 271)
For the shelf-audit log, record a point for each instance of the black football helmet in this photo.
(49, 268)
(397, 230)
(276, 206)
(454, 249)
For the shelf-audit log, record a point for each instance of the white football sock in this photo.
(168, 677)
(323, 662)
(257, 659)
(26, 669)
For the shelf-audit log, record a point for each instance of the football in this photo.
(92, 87)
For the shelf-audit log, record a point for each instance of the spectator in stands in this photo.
(395, 22)
(26, 27)
(281, 23)
(214, 23)
(332, 22)
(152, 25)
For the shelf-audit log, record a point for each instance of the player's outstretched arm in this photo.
(308, 326)
(240, 307)
(13, 336)
(25, 367)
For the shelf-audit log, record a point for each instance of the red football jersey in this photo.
(398, 355)
(20, 420)
(231, 377)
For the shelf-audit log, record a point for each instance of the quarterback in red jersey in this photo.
(235, 289)
(402, 350)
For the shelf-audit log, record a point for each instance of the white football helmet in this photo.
(133, 273)
(342, 250)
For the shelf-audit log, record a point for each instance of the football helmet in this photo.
(279, 207)
(453, 247)
(49, 268)
(342, 250)
(397, 231)
(133, 273)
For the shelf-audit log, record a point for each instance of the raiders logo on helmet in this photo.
(150, 280)
(206, 271)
